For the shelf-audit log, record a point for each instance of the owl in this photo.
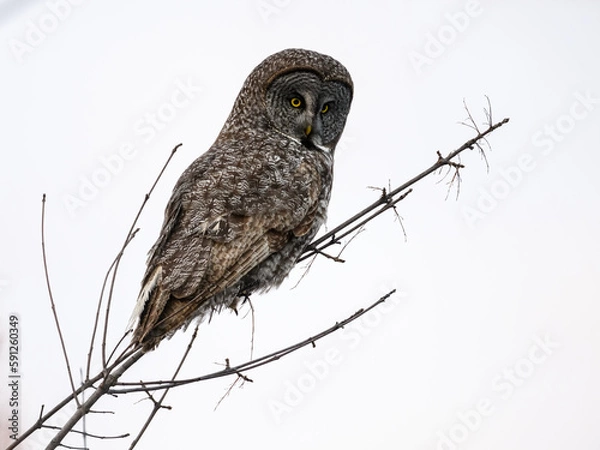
(242, 213)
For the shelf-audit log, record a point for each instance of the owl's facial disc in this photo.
(307, 109)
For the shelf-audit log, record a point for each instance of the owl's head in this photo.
(300, 94)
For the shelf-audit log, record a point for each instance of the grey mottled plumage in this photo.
(243, 212)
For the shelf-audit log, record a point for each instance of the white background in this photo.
(493, 339)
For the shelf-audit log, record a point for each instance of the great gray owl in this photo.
(243, 212)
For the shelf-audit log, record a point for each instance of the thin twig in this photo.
(97, 319)
(112, 354)
(240, 376)
(469, 122)
(95, 436)
(488, 111)
(111, 290)
(227, 392)
(72, 447)
(158, 405)
(336, 258)
(359, 231)
(455, 168)
(83, 419)
(52, 304)
(252, 314)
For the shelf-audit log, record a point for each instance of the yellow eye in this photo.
(325, 108)
(296, 102)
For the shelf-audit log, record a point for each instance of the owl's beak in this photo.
(311, 127)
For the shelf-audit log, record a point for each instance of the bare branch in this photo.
(52, 304)
(95, 436)
(115, 270)
(83, 419)
(253, 364)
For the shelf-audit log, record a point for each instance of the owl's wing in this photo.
(209, 241)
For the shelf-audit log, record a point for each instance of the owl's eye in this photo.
(325, 108)
(296, 102)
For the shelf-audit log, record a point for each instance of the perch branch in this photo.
(390, 199)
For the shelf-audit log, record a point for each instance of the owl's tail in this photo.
(136, 322)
